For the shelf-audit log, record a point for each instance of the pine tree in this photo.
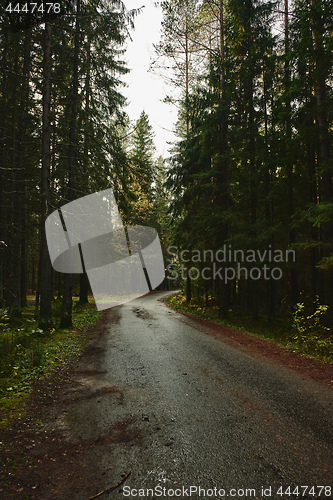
(140, 206)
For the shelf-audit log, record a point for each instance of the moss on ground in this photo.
(28, 354)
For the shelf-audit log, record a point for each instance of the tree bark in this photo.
(13, 268)
(3, 155)
(22, 173)
(45, 277)
(294, 293)
(67, 301)
(321, 74)
(84, 282)
(222, 171)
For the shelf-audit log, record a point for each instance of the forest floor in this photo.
(297, 332)
(56, 450)
(32, 455)
(241, 340)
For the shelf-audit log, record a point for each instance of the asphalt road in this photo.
(180, 409)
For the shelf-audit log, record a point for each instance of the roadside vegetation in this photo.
(301, 330)
(28, 353)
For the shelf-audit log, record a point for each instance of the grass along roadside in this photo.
(303, 333)
(28, 354)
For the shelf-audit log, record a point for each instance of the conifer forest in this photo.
(247, 184)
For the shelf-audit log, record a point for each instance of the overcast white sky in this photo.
(146, 91)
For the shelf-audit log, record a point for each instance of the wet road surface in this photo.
(180, 409)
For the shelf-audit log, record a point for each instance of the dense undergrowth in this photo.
(302, 332)
(28, 353)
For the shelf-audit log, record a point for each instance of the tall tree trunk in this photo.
(84, 282)
(22, 162)
(222, 51)
(13, 268)
(271, 285)
(313, 191)
(67, 301)
(188, 277)
(253, 190)
(222, 170)
(3, 154)
(294, 293)
(321, 74)
(45, 276)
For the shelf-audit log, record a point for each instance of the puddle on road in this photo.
(142, 313)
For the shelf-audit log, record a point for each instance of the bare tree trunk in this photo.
(321, 74)
(21, 162)
(13, 268)
(3, 151)
(188, 277)
(224, 289)
(45, 277)
(313, 191)
(253, 189)
(270, 285)
(294, 293)
(84, 282)
(67, 301)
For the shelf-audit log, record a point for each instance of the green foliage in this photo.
(87, 147)
(204, 307)
(252, 166)
(306, 323)
(312, 336)
(28, 353)
(312, 339)
(145, 203)
(326, 264)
